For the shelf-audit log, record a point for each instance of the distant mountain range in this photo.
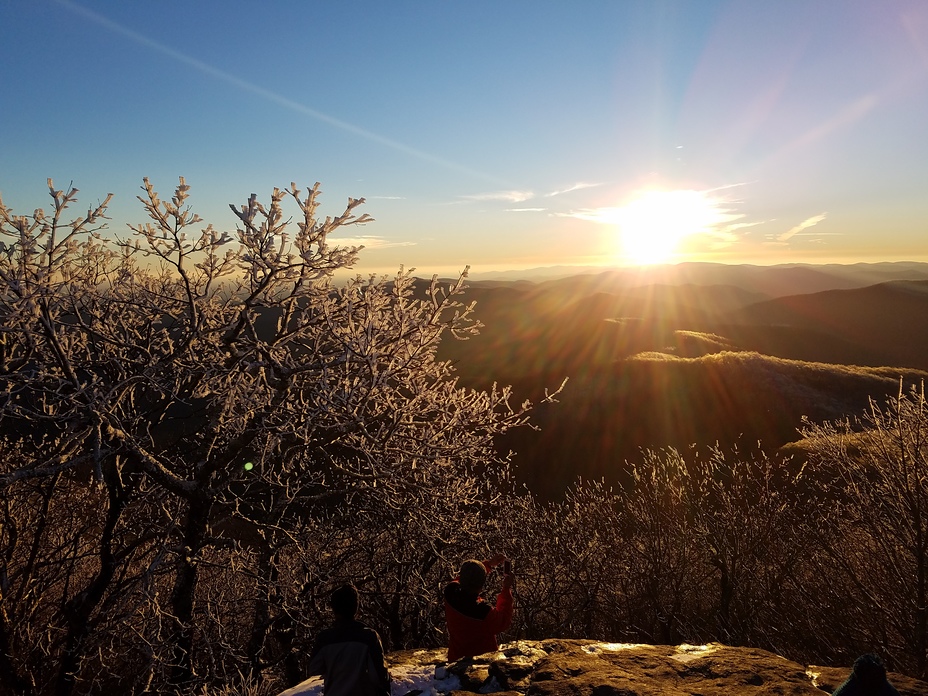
(831, 276)
(696, 353)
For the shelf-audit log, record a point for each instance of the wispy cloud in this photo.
(368, 242)
(743, 225)
(525, 210)
(509, 196)
(725, 187)
(267, 94)
(804, 225)
(576, 187)
(604, 216)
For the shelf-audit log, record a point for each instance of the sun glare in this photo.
(653, 225)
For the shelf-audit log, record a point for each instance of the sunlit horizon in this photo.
(729, 132)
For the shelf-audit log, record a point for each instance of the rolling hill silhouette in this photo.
(651, 400)
(678, 363)
(887, 324)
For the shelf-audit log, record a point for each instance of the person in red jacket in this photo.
(472, 621)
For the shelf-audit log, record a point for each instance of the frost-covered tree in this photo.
(747, 515)
(178, 402)
(664, 565)
(876, 468)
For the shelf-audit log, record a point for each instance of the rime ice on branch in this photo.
(181, 405)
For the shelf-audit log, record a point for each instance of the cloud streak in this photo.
(368, 242)
(507, 196)
(804, 225)
(576, 187)
(267, 94)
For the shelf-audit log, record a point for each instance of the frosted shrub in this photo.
(201, 396)
(876, 545)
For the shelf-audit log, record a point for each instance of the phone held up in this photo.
(507, 566)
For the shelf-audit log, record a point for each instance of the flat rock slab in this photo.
(602, 669)
(592, 668)
(830, 678)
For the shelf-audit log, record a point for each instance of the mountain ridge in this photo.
(673, 365)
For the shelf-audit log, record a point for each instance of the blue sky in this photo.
(497, 134)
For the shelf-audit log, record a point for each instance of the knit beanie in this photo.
(472, 576)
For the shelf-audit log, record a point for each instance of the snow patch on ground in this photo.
(435, 679)
(428, 679)
(688, 653)
(613, 647)
(310, 687)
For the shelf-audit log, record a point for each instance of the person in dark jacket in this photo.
(348, 654)
(472, 621)
(867, 679)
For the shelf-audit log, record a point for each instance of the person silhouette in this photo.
(472, 621)
(348, 654)
(868, 678)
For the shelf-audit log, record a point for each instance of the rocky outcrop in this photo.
(830, 678)
(591, 668)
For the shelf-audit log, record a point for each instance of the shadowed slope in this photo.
(651, 400)
(680, 364)
(885, 323)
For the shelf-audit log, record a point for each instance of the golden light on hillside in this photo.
(654, 224)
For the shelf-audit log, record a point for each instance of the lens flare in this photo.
(653, 224)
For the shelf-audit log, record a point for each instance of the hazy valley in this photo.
(691, 354)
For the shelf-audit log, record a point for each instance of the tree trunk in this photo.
(78, 609)
(185, 585)
(726, 594)
(267, 572)
(8, 673)
(396, 621)
(921, 615)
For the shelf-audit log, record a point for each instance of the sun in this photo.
(653, 224)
